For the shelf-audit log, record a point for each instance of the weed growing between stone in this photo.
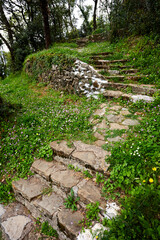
(71, 201)
(46, 230)
(92, 214)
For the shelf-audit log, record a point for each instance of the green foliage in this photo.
(134, 17)
(99, 178)
(87, 174)
(139, 217)
(135, 169)
(76, 169)
(48, 230)
(71, 201)
(92, 214)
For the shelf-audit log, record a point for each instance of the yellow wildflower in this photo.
(96, 237)
(144, 181)
(154, 169)
(151, 180)
(37, 134)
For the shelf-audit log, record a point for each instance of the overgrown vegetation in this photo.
(71, 201)
(45, 229)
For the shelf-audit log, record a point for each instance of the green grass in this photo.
(43, 116)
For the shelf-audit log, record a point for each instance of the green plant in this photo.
(76, 169)
(87, 174)
(71, 201)
(47, 191)
(48, 230)
(139, 217)
(99, 178)
(92, 214)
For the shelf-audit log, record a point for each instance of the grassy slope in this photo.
(37, 115)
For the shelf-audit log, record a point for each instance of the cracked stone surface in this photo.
(61, 148)
(45, 169)
(115, 118)
(49, 203)
(42, 167)
(114, 126)
(30, 188)
(90, 154)
(90, 193)
(14, 226)
(66, 178)
(69, 221)
(130, 122)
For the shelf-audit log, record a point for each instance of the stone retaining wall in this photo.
(81, 79)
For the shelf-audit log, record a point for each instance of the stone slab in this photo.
(100, 112)
(125, 112)
(102, 125)
(130, 122)
(65, 178)
(115, 118)
(145, 98)
(112, 94)
(99, 143)
(30, 188)
(69, 222)
(99, 136)
(61, 148)
(90, 193)
(115, 139)
(115, 108)
(90, 155)
(42, 167)
(14, 226)
(115, 126)
(2, 210)
(49, 204)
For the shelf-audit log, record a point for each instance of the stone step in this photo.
(128, 77)
(88, 156)
(119, 66)
(138, 89)
(44, 197)
(64, 179)
(132, 70)
(57, 174)
(49, 207)
(117, 94)
(102, 53)
(100, 66)
(116, 77)
(112, 61)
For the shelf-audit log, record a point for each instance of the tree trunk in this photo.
(44, 10)
(95, 15)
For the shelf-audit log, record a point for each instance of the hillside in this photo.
(122, 134)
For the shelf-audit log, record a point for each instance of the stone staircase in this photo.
(44, 193)
(122, 79)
